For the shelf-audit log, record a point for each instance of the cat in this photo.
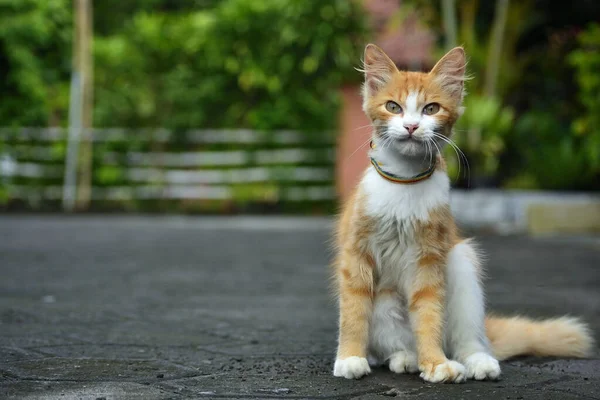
(409, 287)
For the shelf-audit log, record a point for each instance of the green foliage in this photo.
(475, 19)
(558, 141)
(530, 132)
(242, 64)
(278, 64)
(586, 61)
(484, 128)
(107, 175)
(481, 133)
(35, 46)
(554, 159)
(111, 15)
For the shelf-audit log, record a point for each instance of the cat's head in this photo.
(411, 109)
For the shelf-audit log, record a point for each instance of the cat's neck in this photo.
(401, 165)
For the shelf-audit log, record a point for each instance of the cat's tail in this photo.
(559, 337)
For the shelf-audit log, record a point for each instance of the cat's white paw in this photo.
(402, 362)
(351, 367)
(482, 366)
(449, 371)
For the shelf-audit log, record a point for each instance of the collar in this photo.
(402, 179)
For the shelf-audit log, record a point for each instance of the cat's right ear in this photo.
(450, 72)
(378, 69)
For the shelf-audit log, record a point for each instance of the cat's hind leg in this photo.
(465, 337)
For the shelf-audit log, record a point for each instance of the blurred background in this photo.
(246, 106)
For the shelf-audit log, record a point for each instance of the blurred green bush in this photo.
(240, 64)
(184, 64)
(35, 61)
(531, 117)
(586, 61)
(278, 65)
(557, 140)
(481, 133)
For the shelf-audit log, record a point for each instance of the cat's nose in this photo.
(411, 128)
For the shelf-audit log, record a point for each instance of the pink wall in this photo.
(353, 145)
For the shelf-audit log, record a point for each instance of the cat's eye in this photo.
(393, 107)
(431, 109)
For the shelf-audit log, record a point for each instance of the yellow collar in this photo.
(401, 179)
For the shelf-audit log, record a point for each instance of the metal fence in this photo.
(226, 167)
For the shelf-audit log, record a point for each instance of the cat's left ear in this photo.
(449, 72)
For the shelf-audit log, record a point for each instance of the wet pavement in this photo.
(186, 307)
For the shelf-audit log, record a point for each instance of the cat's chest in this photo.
(397, 210)
(394, 250)
(405, 203)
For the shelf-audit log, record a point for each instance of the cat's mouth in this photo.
(410, 145)
(409, 138)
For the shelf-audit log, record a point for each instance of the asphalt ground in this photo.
(122, 307)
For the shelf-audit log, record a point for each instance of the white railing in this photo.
(160, 164)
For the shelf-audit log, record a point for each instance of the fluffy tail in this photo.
(559, 337)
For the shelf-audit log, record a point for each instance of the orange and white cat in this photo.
(409, 286)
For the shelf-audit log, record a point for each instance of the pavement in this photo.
(120, 307)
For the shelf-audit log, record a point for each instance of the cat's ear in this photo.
(378, 69)
(449, 72)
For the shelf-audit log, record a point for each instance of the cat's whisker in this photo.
(360, 147)
(460, 155)
(373, 125)
(464, 157)
(390, 141)
(365, 126)
(437, 147)
(426, 151)
(430, 151)
(387, 141)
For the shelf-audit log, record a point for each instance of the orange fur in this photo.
(355, 281)
(436, 237)
(558, 337)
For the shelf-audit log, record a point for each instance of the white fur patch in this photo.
(412, 112)
(351, 368)
(465, 308)
(390, 329)
(450, 371)
(403, 362)
(482, 366)
(396, 127)
(408, 203)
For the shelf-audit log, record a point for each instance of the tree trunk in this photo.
(449, 16)
(495, 47)
(84, 30)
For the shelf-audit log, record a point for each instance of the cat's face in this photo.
(413, 112)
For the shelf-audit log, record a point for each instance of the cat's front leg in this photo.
(465, 330)
(426, 309)
(355, 280)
